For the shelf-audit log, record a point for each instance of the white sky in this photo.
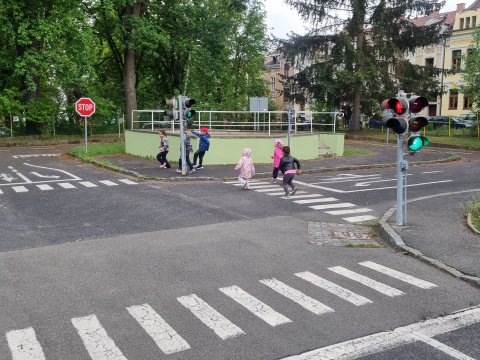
(281, 19)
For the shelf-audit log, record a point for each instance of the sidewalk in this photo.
(441, 238)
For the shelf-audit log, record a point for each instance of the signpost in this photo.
(85, 107)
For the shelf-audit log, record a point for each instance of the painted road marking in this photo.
(108, 183)
(223, 327)
(256, 186)
(384, 341)
(399, 275)
(257, 307)
(67, 186)
(348, 211)
(356, 219)
(24, 345)
(297, 296)
(373, 284)
(291, 197)
(311, 201)
(275, 188)
(33, 155)
(277, 193)
(334, 289)
(332, 206)
(96, 340)
(128, 181)
(44, 187)
(19, 189)
(87, 184)
(442, 347)
(163, 334)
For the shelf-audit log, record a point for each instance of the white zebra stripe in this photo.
(373, 284)
(19, 189)
(163, 334)
(302, 196)
(270, 186)
(297, 296)
(223, 327)
(87, 184)
(44, 187)
(24, 345)
(277, 193)
(399, 275)
(348, 211)
(334, 289)
(276, 188)
(319, 200)
(355, 219)
(108, 183)
(258, 308)
(332, 206)
(96, 340)
(66, 185)
(128, 181)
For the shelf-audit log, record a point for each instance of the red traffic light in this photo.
(188, 103)
(398, 105)
(417, 103)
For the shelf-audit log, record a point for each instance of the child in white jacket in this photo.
(246, 167)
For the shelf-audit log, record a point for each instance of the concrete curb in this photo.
(388, 234)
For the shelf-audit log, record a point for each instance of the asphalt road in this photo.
(96, 265)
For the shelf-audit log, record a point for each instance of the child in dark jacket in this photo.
(162, 155)
(188, 150)
(287, 167)
(203, 146)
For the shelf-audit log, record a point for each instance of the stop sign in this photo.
(85, 107)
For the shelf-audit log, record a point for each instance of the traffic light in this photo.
(416, 123)
(393, 109)
(172, 108)
(188, 112)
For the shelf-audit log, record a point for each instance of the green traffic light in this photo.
(415, 143)
(190, 113)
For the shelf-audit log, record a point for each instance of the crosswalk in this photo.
(63, 185)
(24, 343)
(330, 205)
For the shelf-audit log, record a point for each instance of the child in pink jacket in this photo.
(277, 155)
(246, 167)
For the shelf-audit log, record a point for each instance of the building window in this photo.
(272, 83)
(453, 100)
(466, 102)
(474, 21)
(456, 59)
(429, 62)
(467, 26)
(462, 21)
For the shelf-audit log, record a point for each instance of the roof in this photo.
(475, 5)
(448, 18)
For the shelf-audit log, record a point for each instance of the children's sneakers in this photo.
(199, 167)
(274, 181)
(191, 171)
(178, 170)
(294, 191)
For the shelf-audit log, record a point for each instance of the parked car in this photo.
(156, 125)
(455, 122)
(469, 116)
(4, 131)
(375, 123)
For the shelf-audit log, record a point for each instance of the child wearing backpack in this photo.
(203, 147)
(246, 167)
(188, 150)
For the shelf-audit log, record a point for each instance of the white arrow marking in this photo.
(6, 177)
(367, 183)
(48, 168)
(44, 176)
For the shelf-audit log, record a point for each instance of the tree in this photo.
(356, 50)
(472, 72)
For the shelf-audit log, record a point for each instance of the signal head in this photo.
(399, 105)
(417, 103)
(188, 103)
(416, 123)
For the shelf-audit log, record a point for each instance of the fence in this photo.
(264, 121)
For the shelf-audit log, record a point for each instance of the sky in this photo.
(281, 19)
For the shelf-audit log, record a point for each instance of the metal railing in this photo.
(246, 121)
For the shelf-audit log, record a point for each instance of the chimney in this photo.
(461, 7)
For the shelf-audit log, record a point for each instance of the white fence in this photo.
(264, 121)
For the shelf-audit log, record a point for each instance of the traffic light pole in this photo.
(182, 134)
(402, 167)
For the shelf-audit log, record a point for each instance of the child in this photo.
(203, 146)
(188, 150)
(287, 167)
(277, 155)
(162, 155)
(246, 167)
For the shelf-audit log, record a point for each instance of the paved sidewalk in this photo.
(441, 238)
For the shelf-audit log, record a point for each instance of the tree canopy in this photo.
(355, 52)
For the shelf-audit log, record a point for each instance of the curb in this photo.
(388, 234)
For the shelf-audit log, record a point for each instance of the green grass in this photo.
(94, 150)
(473, 207)
(348, 151)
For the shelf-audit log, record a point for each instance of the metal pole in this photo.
(443, 68)
(400, 219)
(291, 114)
(85, 128)
(182, 135)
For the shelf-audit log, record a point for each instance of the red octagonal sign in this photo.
(85, 107)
